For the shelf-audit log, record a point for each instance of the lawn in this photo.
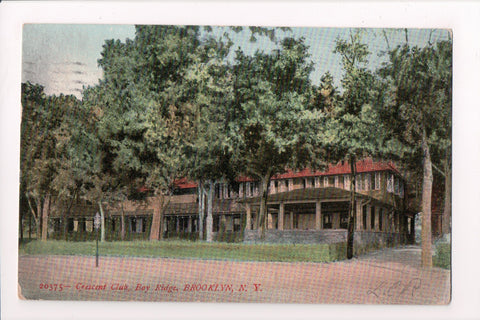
(190, 249)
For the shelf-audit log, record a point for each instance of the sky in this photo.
(63, 57)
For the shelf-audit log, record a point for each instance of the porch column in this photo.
(358, 213)
(369, 218)
(189, 224)
(377, 215)
(178, 224)
(223, 223)
(318, 215)
(291, 220)
(281, 210)
(249, 217)
(269, 221)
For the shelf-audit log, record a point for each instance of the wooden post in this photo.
(248, 221)
(377, 215)
(291, 220)
(318, 215)
(281, 214)
(189, 224)
(269, 221)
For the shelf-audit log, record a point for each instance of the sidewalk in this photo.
(389, 276)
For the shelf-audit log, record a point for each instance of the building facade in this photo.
(302, 207)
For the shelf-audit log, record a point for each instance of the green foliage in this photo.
(270, 112)
(442, 257)
(47, 159)
(417, 84)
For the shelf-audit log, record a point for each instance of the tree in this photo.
(155, 89)
(417, 108)
(353, 127)
(45, 172)
(273, 127)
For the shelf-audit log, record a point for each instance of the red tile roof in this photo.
(362, 166)
(183, 183)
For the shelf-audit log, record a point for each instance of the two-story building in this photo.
(303, 207)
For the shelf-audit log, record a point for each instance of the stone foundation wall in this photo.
(324, 236)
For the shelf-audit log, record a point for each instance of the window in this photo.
(325, 182)
(390, 183)
(327, 221)
(240, 190)
(341, 182)
(347, 182)
(359, 182)
(70, 225)
(137, 225)
(377, 181)
(304, 183)
(344, 221)
(276, 185)
(331, 181)
(236, 224)
(216, 224)
(397, 185)
(287, 187)
(81, 225)
(89, 225)
(368, 181)
(312, 183)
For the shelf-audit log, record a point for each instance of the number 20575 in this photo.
(51, 286)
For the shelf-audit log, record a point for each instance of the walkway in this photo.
(390, 276)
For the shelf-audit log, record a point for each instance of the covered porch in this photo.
(320, 215)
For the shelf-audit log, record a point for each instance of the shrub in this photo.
(442, 256)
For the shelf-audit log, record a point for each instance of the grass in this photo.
(442, 256)
(190, 249)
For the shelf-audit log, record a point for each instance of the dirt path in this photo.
(391, 276)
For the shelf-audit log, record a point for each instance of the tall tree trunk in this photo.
(102, 222)
(39, 219)
(201, 209)
(209, 225)
(35, 218)
(263, 213)
(161, 202)
(122, 223)
(426, 204)
(45, 213)
(21, 225)
(29, 226)
(351, 217)
(447, 204)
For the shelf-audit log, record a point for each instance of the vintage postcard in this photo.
(269, 161)
(235, 164)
